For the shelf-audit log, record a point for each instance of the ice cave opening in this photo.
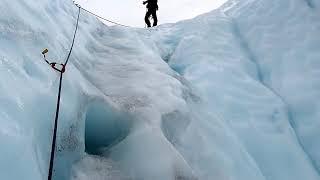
(104, 127)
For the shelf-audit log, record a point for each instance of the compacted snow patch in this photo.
(96, 168)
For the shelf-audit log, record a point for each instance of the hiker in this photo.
(152, 6)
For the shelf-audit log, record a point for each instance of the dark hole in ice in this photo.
(104, 127)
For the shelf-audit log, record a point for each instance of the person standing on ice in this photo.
(152, 6)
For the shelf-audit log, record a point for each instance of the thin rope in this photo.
(53, 147)
(74, 37)
(100, 17)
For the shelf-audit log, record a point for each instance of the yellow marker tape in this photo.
(45, 51)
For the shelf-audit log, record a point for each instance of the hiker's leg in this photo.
(155, 18)
(146, 18)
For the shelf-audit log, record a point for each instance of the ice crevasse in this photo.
(229, 95)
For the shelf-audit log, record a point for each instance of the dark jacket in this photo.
(152, 4)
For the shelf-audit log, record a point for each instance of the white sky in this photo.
(131, 12)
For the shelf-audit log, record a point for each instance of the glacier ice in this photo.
(231, 94)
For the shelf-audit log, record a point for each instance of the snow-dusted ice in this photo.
(229, 95)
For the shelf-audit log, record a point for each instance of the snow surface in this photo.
(231, 95)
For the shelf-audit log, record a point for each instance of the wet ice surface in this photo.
(232, 94)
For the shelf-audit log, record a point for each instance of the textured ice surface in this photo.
(232, 94)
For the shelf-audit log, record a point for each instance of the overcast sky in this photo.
(131, 12)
